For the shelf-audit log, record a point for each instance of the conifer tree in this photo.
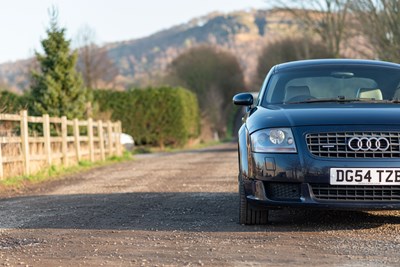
(57, 89)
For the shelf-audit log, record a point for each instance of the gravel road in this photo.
(180, 209)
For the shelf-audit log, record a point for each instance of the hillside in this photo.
(142, 61)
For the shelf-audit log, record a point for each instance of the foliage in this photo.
(214, 76)
(154, 116)
(57, 89)
(379, 21)
(11, 102)
(288, 50)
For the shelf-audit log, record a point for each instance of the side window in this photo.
(396, 95)
(256, 96)
(273, 94)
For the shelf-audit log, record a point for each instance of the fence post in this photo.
(77, 140)
(64, 134)
(25, 140)
(115, 137)
(118, 141)
(110, 138)
(101, 139)
(46, 135)
(1, 162)
(91, 145)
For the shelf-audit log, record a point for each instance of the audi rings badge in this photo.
(369, 143)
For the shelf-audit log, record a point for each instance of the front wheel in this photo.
(249, 214)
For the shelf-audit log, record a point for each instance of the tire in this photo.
(249, 214)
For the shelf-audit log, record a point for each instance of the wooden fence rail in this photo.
(29, 144)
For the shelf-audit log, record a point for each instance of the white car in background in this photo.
(127, 141)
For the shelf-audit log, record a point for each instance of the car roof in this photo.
(332, 62)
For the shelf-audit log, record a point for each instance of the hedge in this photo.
(11, 102)
(154, 116)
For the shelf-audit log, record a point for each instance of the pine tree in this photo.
(57, 89)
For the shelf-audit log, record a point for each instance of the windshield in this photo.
(334, 84)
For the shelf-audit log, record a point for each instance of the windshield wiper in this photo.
(339, 99)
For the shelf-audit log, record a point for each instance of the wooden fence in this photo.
(29, 144)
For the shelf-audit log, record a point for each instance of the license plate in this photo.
(364, 176)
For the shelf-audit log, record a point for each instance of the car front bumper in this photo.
(307, 199)
(291, 180)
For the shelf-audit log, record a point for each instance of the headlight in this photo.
(279, 140)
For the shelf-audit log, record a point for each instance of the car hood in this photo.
(335, 114)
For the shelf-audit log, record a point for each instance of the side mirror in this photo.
(243, 99)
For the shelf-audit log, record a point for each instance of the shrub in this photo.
(154, 116)
(11, 102)
(214, 76)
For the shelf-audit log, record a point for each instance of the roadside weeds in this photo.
(24, 182)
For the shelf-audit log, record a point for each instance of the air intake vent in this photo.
(354, 144)
(356, 193)
(283, 191)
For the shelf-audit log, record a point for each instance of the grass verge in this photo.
(55, 172)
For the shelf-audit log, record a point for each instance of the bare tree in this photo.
(379, 21)
(326, 18)
(96, 67)
(288, 49)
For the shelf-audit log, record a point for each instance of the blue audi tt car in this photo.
(321, 134)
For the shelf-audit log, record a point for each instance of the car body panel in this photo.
(303, 172)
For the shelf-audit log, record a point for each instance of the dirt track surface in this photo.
(180, 209)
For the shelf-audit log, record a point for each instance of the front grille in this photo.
(356, 192)
(282, 191)
(335, 145)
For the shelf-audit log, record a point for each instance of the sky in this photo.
(24, 22)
